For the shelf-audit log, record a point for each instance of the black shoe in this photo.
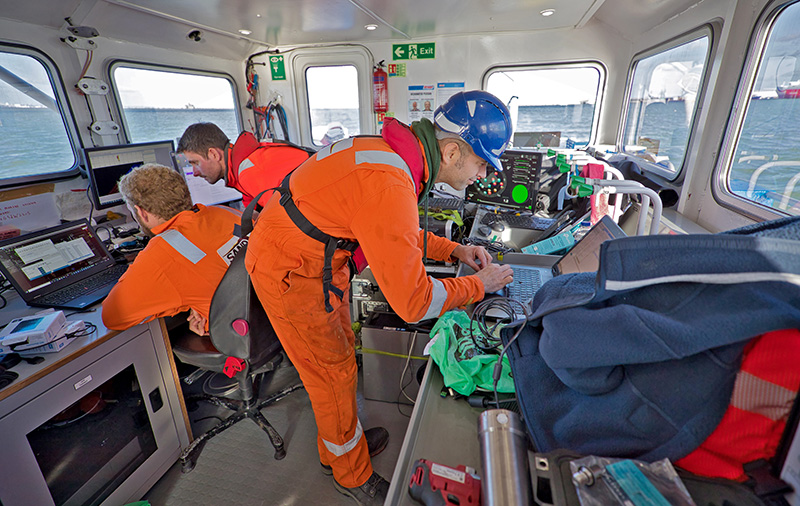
(373, 492)
(377, 439)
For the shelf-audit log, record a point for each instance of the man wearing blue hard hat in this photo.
(361, 194)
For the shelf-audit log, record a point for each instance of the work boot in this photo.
(377, 439)
(373, 492)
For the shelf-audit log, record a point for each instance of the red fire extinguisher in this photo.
(380, 90)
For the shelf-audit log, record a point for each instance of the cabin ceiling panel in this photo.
(289, 22)
(40, 12)
(632, 18)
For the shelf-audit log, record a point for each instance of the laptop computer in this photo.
(65, 267)
(532, 271)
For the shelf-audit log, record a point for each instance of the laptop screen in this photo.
(585, 255)
(53, 257)
(515, 188)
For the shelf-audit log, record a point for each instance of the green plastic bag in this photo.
(464, 367)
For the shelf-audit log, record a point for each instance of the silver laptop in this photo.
(65, 267)
(532, 271)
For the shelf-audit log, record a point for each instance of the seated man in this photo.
(190, 250)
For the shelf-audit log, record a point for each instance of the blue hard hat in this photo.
(481, 119)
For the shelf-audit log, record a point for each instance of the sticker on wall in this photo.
(277, 68)
(425, 51)
(397, 69)
(420, 102)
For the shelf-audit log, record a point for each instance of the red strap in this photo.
(232, 366)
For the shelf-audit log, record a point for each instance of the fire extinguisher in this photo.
(380, 90)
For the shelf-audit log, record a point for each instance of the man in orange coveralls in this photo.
(365, 190)
(190, 250)
(247, 165)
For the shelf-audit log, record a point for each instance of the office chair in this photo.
(242, 342)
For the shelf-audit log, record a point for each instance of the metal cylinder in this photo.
(504, 461)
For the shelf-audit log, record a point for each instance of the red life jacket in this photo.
(255, 166)
(751, 428)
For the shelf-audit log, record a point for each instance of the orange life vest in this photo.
(751, 428)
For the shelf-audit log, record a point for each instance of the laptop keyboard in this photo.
(518, 221)
(525, 285)
(444, 203)
(86, 286)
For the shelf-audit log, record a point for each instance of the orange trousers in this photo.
(321, 347)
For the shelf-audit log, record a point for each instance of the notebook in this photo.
(65, 267)
(583, 257)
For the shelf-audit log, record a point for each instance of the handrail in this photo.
(788, 190)
(757, 173)
(636, 188)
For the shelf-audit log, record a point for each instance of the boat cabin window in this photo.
(159, 103)
(551, 106)
(765, 162)
(332, 86)
(36, 132)
(332, 103)
(662, 104)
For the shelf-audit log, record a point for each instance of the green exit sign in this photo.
(426, 51)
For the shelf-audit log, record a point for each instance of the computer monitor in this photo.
(516, 187)
(201, 190)
(107, 164)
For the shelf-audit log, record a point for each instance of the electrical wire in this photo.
(5, 285)
(514, 314)
(91, 202)
(498, 366)
(89, 329)
(491, 246)
(405, 367)
(86, 64)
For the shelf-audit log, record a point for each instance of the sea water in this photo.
(33, 141)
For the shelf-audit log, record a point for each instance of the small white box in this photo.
(33, 329)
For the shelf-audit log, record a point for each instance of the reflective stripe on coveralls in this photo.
(182, 245)
(340, 450)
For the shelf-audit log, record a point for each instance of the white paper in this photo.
(447, 90)
(30, 213)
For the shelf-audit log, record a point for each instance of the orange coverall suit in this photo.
(179, 269)
(253, 167)
(361, 190)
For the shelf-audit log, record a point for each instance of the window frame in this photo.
(64, 108)
(301, 59)
(740, 107)
(119, 62)
(706, 30)
(595, 64)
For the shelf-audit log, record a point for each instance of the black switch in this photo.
(155, 400)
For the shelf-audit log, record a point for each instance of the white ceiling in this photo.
(288, 22)
(296, 22)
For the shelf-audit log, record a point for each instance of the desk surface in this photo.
(442, 430)
(28, 373)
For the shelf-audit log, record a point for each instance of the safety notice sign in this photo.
(277, 68)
